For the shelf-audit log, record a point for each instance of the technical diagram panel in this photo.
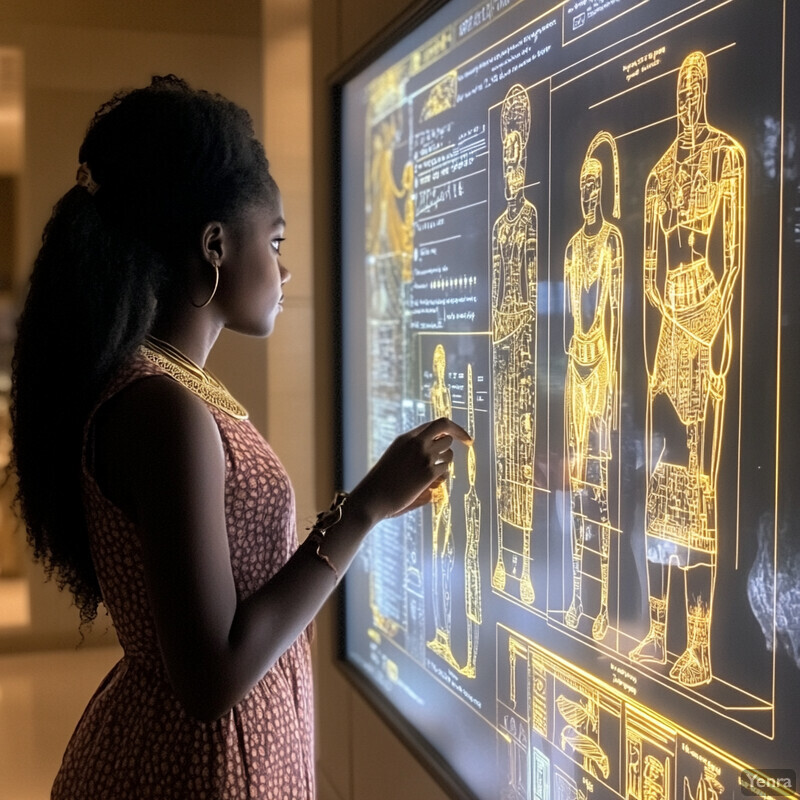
(574, 228)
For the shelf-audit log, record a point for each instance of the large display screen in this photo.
(574, 228)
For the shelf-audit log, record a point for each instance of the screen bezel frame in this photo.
(412, 739)
(415, 14)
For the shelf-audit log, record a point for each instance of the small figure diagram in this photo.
(516, 786)
(472, 519)
(593, 270)
(655, 779)
(694, 210)
(443, 548)
(513, 324)
(708, 787)
(648, 777)
(567, 789)
(514, 730)
(581, 733)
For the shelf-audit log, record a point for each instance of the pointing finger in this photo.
(444, 426)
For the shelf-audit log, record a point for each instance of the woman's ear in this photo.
(213, 242)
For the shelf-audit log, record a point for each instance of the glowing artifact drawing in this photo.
(513, 321)
(389, 227)
(472, 520)
(389, 233)
(443, 549)
(593, 269)
(708, 786)
(580, 733)
(516, 739)
(694, 209)
(655, 779)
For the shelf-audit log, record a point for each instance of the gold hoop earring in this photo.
(215, 265)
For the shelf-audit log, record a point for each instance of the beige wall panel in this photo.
(291, 410)
(382, 767)
(336, 737)
(325, 791)
(179, 16)
(287, 137)
(70, 71)
(70, 68)
(325, 32)
(363, 22)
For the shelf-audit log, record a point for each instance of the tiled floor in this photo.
(42, 696)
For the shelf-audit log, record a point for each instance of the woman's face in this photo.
(251, 279)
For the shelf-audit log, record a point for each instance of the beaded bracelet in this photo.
(325, 521)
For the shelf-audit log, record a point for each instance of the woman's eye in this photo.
(276, 245)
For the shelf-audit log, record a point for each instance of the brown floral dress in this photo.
(134, 740)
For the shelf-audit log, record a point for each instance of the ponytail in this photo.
(157, 163)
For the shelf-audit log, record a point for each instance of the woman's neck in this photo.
(194, 334)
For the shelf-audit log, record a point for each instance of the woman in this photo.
(141, 481)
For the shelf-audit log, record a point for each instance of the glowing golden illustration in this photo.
(515, 727)
(389, 227)
(655, 779)
(441, 97)
(472, 519)
(390, 233)
(708, 786)
(513, 321)
(694, 209)
(443, 548)
(624, 748)
(581, 733)
(516, 649)
(593, 272)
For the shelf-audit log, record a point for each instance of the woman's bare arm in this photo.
(159, 457)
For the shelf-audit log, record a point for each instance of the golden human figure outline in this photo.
(694, 198)
(513, 322)
(593, 276)
(442, 525)
(472, 523)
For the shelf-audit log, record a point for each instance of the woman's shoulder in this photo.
(146, 422)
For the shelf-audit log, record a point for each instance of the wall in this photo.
(75, 56)
(287, 139)
(359, 757)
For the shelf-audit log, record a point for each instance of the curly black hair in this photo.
(166, 159)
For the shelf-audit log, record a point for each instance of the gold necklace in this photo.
(197, 380)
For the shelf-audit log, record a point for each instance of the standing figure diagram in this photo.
(472, 519)
(593, 269)
(443, 548)
(694, 210)
(513, 322)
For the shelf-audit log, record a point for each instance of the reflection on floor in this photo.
(42, 696)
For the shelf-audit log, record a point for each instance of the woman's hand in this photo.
(411, 468)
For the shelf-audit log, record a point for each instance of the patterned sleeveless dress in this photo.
(134, 740)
